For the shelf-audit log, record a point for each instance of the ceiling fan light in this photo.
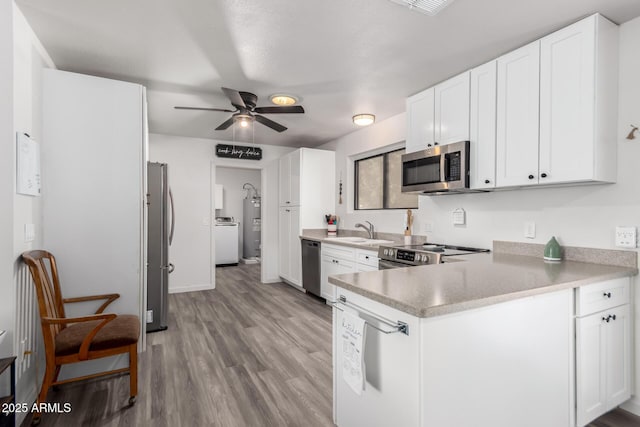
(364, 119)
(283, 99)
(243, 119)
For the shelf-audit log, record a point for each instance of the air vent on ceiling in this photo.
(428, 7)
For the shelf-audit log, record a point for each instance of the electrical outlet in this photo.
(530, 230)
(22, 349)
(428, 227)
(149, 316)
(626, 237)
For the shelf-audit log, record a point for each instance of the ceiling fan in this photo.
(246, 110)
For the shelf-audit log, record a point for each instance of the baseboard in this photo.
(271, 280)
(632, 405)
(191, 288)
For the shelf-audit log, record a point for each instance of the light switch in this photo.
(530, 230)
(29, 232)
(626, 237)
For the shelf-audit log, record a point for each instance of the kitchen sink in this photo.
(359, 240)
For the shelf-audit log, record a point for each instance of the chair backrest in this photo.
(44, 272)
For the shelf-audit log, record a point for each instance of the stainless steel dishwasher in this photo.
(311, 266)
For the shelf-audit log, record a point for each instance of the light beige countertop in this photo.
(481, 280)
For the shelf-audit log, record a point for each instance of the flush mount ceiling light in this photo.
(364, 119)
(428, 7)
(282, 99)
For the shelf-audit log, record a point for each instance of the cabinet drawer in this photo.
(369, 258)
(602, 296)
(341, 252)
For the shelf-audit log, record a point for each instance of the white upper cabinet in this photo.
(290, 179)
(578, 83)
(420, 121)
(517, 117)
(482, 127)
(543, 114)
(452, 110)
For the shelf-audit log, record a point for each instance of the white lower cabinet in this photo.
(289, 245)
(556, 360)
(603, 354)
(338, 259)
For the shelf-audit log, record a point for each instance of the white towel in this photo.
(352, 331)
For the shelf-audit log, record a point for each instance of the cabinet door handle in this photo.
(428, 145)
(486, 181)
(613, 317)
(607, 295)
(435, 143)
(606, 319)
(366, 256)
(531, 177)
(544, 175)
(287, 210)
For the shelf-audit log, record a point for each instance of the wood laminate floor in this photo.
(245, 354)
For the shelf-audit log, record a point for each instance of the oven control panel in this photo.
(407, 257)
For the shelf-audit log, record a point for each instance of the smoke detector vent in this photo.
(428, 7)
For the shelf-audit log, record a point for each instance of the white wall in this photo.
(232, 179)
(7, 172)
(191, 163)
(577, 216)
(24, 58)
(367, 140)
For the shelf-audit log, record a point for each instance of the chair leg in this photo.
(49, 374)
(55, 378)
(133, 373)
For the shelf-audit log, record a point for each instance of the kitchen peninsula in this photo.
(511, 339)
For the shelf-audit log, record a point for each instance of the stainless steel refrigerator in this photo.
(161, 223)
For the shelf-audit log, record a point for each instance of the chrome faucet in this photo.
(369, 228)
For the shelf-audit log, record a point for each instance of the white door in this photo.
(295, 246)
(452, 110)
(567, 103)
(420, 121)
(332, 266)
(618, 361)
(482, 127)
(590, 368)
(284, 260)
(517, 117)
(284, 181)
(295, 171)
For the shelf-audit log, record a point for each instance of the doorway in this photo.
(238, 211)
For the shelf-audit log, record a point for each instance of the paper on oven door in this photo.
(352, 333)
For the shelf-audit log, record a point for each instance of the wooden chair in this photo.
(76, 339)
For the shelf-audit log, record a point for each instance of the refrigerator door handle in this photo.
(173, 218)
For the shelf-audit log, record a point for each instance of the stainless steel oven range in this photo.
(423, 254)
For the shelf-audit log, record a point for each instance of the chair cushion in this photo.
(123, 330)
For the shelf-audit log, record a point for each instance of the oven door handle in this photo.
(385, 265)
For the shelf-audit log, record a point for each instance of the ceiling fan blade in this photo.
(234, 97)
(226, 124)
(204, 109)
(270, 123)
(279, 110)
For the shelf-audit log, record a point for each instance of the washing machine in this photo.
(226, 238)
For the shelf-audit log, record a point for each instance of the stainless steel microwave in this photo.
(440, 169)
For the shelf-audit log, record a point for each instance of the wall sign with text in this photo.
(238, 152)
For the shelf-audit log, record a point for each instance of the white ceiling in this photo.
(340, 57)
